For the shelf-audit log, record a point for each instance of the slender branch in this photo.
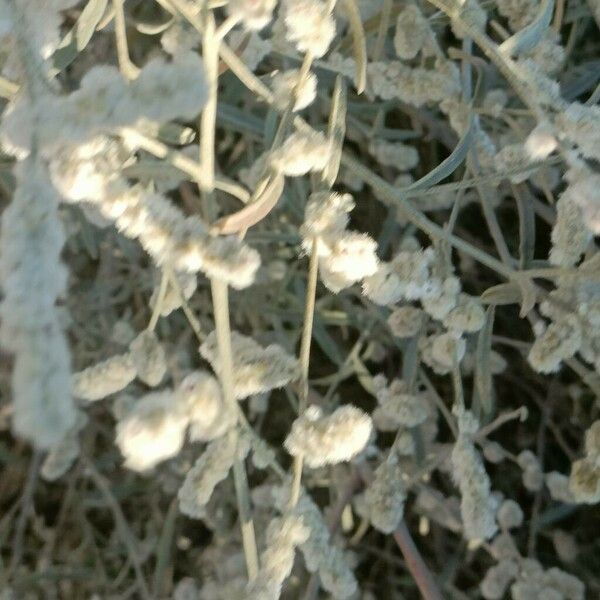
(129, 70)
(220, 298)
(416, 565)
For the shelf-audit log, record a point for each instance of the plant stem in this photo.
(309, 314)
(416, 565)
(220, 296)
(129, 70)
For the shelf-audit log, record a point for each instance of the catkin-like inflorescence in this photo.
(32, 278)
(319, 554)
(210, 469)
(199, 395)
(104, 378)
(385, 497)
(302, 152)
(149, 358)
(309, 25)
(533, 476)
(152, 431)
(331, 439)
(478, 506)
(255, 369)
(277, 560)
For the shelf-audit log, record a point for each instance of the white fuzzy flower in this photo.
(467, 317)
(541, 142)
(397, 408)
(509, 515)
(255, 369)
(394, 154)
(331, 439)
(149, 358)
(561, 340)
(199, 395)
(285, 84)
(412, 34)
(104, 378)
(302, 152)
(406, 321)
(309, 25)
(254, 14)
(152, 431)
(407, 277)
(352, 257)
(441, 303)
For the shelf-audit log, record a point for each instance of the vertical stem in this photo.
(129, 70)
(208, 119)
(309, 313)
(220, 297)
(416, 565)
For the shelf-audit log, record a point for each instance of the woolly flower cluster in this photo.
(416, 86)
(255, 369)
(344, 257)
(208, 471)
(408, 276)
(584, 481)
(412, 34)
(254, 14)
(303, 152)
(559, 341)
(309, 26)
(32, 278)
(319, 554)
(105, 101)
(478, 506)
(397, 408)
(384, 498)
(154, 428)
(145, 359)
(287, 85)
(329, 439)
(90, 173)
(277, 560)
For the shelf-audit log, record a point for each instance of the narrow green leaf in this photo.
(447, 166)
(529, 37)
(502, 294)
(483, 373)
(79, 36)
(526, 226)
(359, 44)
